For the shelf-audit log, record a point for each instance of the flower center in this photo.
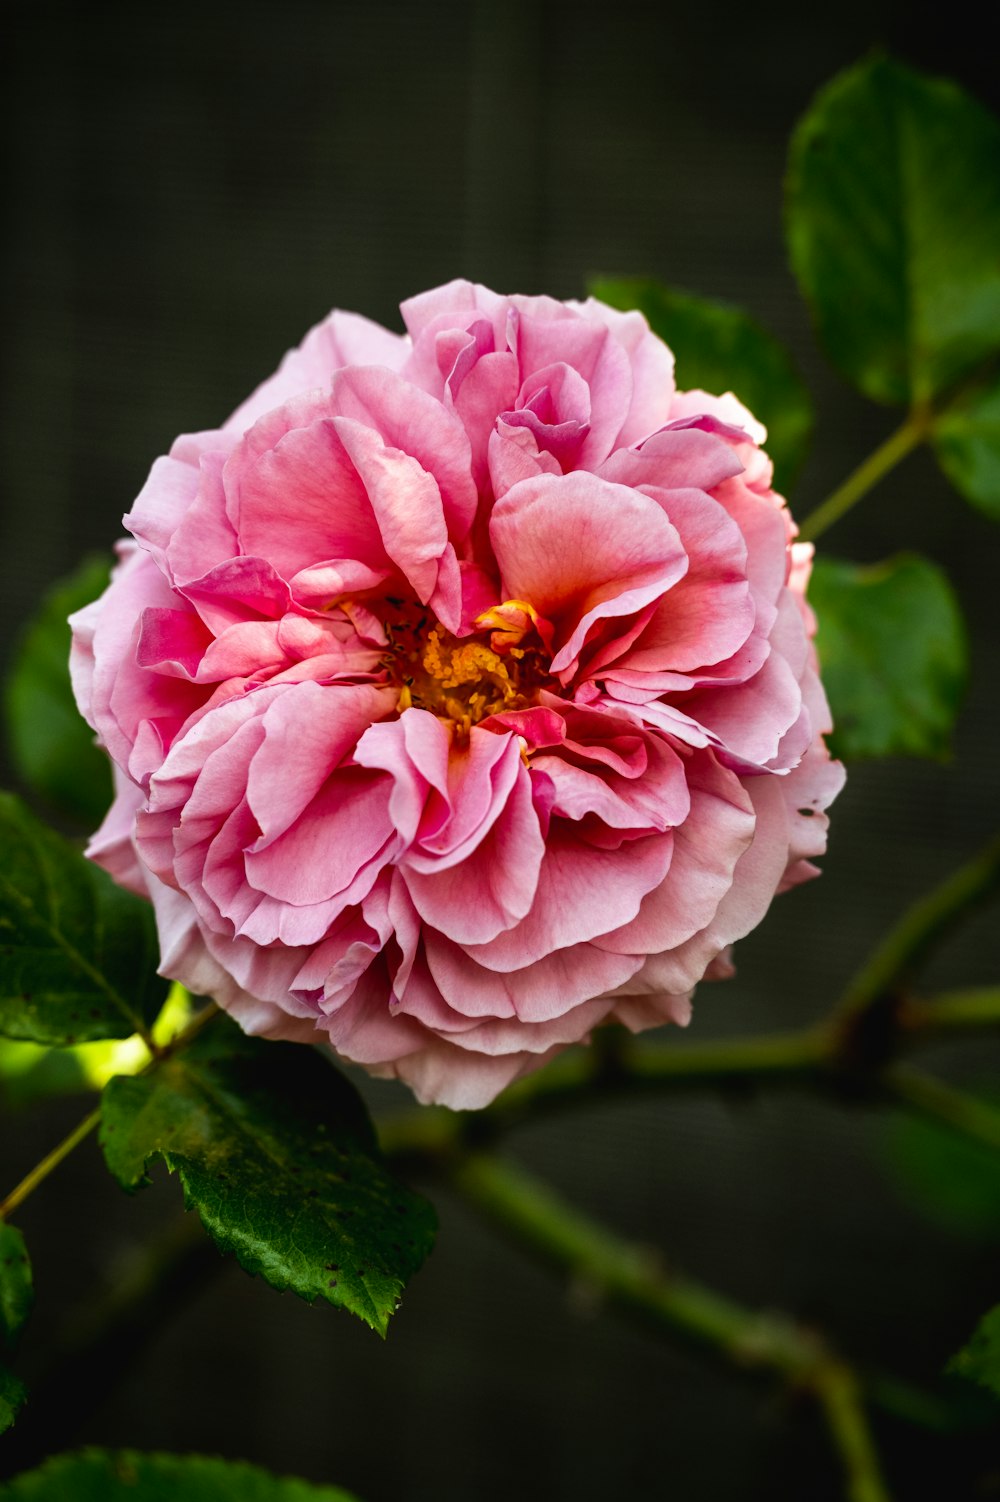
(464, 679)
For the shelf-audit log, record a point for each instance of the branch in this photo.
(964, 1114)
(963, 1011)
(873, 1009)
(83, 1129)
(41, 1170)
(878, 464)
(777, 1058)
(632, 1279)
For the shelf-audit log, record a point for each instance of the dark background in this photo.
(190, 187)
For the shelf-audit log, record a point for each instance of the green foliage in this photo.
(966, 440)
(274, 1148)
(77, 953)
(893, 219)
(51, 746)
(953, 1180)
(892, 651)
(979, 1361)
(16, 1291)
(128, 1476)
(12, 1396)
(720, 348)
(30, 1072)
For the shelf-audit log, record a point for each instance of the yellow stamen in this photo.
(462, 680)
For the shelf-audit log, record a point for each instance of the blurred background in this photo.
(189, 188)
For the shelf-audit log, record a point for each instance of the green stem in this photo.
(186, 1035)
(41, 1170)
(583, 1076)
(944, 1103)
(921, 928)
(952, 1011)
(836, 1387)
(771, 1058)
(421, 1138)
(888, 454)
(631, 1278)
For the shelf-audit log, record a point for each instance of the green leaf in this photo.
(953, 1180)
(13, 1394)
(51, 745)
(16, 1291)
(77, 953)
(720, 348)
(275, 1151)
(892, 650)
(966, 439)
(893, 222)
(128, 1476)
(31, 1072)
(979, 1361)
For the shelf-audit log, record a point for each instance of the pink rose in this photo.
(460, 692)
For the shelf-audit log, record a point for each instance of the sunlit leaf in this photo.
(128, 1476)
(274, 1148)
(893, 219)
(51, 746)
(892, 649)
(719, 348)
(31, 1072)
(78, 954)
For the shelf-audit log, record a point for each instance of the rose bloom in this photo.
(460, 691)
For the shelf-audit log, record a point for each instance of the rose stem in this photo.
(83, 1129)
(41, 1170)
(535, 1217)
(965, 1114)
(903, 441)
(911, 939)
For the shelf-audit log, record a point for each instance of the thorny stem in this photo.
(810, 1056)
(631, 1278)
(874, 1017)
(83, 1129)
(903, 441)
(771, 1058)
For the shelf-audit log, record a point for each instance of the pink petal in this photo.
(583, 891)
(581, 550)
(706, 849)
(341, 339)
(551, 986)
(413, 422)
(308, 732)
(495, 886)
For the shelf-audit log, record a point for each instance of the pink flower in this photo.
(460, 692)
